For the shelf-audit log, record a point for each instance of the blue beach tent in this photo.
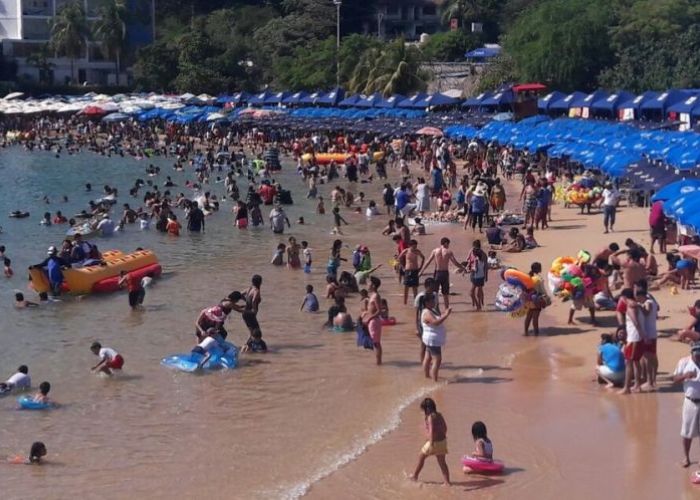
(660, 105)
(259, 99)
(609, 105)
(295, 98)
(331, 98)
(631, 108)
(370, 101)
(351, 100)
(564, 103)
(436, 100)
(543, 103)
(586, 101)
(409, 102)
(391, 102)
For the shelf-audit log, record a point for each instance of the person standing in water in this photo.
(372, 319)
(436, 445)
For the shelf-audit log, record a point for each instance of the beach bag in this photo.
(363, 338)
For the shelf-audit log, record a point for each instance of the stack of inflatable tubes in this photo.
(512, 294)
(579, 195)
(567, 281)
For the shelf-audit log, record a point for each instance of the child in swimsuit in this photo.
(483, 445)
(278, 257)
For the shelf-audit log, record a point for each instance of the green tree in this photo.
(449, 46)
(498, 72)
(155, 67)
(41, 60)
(110, 31)
(394, 68)
(312, 67)
(565, 43)
(69, 31)
(471, 11)
(656, 46)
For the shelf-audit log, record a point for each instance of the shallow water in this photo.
(271, 428)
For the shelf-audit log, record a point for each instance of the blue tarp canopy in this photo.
(499, 99)
(237, 98)
(295, 98)
(475, 102)
(636, 102)
(685, 106)
(351, 100)
(586, 101)
(483, 53)
(408, 103)
(436, 100)
(311, 98)
(665, 100)
(331, 98)
(277, 98)
(545, 102)
(611, 103)
(260, 98)
(391, 102)
(565, 102)
(370, 101)
(677, 189)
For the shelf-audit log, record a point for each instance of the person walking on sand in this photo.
(688, 372)
(609, 201)
(436, 445)
(442, 256)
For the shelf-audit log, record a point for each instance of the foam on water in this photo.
(339, 461)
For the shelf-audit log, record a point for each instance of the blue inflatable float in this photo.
(224, 358)
(28, 403)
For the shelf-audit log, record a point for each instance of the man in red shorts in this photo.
(634, 348)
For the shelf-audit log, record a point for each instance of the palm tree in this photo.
(110, 30)
(69, 31)
(392, 69)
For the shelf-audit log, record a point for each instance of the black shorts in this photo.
(251, 320)
(411, 278)
(434, 350)
(442, 280)
(136, 297)
(478, 281)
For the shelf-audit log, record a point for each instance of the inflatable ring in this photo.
(388, 321)
(483, 466)
(28, 403)
(515, 277)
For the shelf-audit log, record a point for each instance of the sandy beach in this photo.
(551, 424)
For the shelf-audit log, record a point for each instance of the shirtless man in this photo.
(632, 269)
(252, 303)
(442, 256)
(413, 262)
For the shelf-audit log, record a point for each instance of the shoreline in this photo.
(562, 361)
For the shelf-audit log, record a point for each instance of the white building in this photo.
(408, 18)
(25, 27)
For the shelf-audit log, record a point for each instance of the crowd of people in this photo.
(426, 186)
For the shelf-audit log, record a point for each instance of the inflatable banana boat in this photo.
(102, 278)
(326, 158)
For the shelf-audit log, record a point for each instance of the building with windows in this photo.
(25, 29)
(408, 18)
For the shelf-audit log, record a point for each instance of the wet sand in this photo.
(559, 432)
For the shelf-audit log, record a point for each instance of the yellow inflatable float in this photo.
(325, 158)
(100, 278)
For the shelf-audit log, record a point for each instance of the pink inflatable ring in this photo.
(483, 466)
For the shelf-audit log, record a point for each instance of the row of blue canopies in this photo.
(612, 147)
(338, 97)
